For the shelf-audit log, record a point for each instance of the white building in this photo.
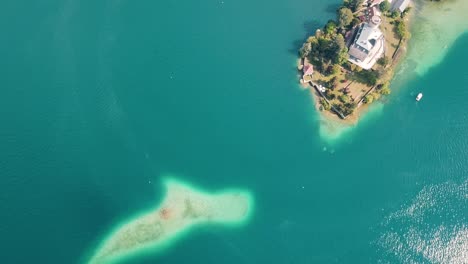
(368, 45)
(399, 5)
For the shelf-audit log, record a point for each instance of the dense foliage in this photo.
(345, 17)
(330, 27)
(368, 99)
(384, 6)
(395, 14)
(305, 50)
(367, 77)
(383, 61)
(346, 109)
(384, 89)
(400, 29)
(354, 5)
(407, 10)
(324, 51)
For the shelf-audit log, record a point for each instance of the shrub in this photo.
(376, 95)
(395, 14)
(348, 109)
(330, 27)
(344, 98)
(385, 90)
(400, 29)
(335, 69)
(356, 21)
(305, 50)
(354, 5)
(312, 39)
(368, 99)
(384, 6)
(325, 104)
(345, 17)
(406, 11)
(367, 77)
(329, 94)
(383, 61)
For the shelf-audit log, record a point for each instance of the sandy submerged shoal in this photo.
(436, 27)
(183, 208)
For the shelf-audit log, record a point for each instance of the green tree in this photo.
(332, 82)
(385, 89)
(400, 29)
(395, 14)
(376, 95)
(330, 95)
(356, 21)
(325, 104)
(384, 6)
(345, 17)
(347, 110)
(339, 51)
(368, 99)
(367, 77)
(406, 11)
(335, 69)
(383, 61)
(351, 105)
(305, 50)
(354, 5)
(343, 56)
(340, 41)
(326, 66)
(344, 98)
(330, 27)
(312, 39)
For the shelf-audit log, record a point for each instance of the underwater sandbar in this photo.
(182, 208)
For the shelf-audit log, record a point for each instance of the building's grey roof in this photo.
(400, 5)
(367, 46)
(367, 36)
(357, 52)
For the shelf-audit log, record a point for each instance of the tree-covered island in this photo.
(350, 61)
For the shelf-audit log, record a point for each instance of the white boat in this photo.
(418, 98)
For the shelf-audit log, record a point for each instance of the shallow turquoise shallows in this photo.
(101, 98)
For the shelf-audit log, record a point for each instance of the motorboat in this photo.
(419, 97)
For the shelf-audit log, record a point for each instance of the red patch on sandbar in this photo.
(165, 213)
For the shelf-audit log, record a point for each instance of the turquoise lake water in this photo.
(102, 98)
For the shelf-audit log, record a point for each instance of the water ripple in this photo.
(433, 228)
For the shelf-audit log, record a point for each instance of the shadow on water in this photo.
(332, 8)
(309, 27)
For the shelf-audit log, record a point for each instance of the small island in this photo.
(182, 208)
(350, 62)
